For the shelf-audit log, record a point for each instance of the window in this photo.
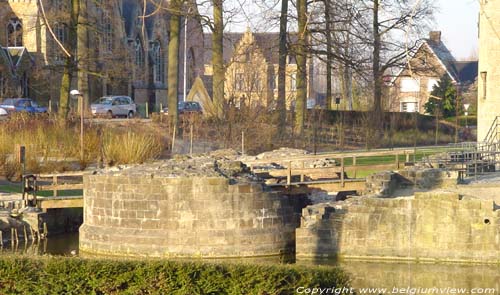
(484, 81)
(15, 32)
(410, 85)
(293, 82)
(61, 32)
(239, 82)
(3, 85)
(431, 83)
(107, 32)
(409, 107)
(139, 55)
(272, 81)
(158, 63)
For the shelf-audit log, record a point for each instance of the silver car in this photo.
(114, 106)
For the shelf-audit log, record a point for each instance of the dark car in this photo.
(22, 105)
(186, 107)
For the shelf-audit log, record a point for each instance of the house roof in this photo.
(268, 42)
(464, 72)
(467, 71)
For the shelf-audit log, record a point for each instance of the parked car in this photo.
(22, 105)
(3, 112)
(114, 106)
(186, 107)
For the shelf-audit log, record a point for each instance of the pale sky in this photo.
(457, 20)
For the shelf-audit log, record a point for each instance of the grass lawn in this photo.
(16, 188)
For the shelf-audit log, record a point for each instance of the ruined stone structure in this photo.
(202, 209)
(489, 70)
(429, 226)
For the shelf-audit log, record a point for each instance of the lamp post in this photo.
(466, 107)
(78, 95)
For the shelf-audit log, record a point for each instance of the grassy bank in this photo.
(80, 276)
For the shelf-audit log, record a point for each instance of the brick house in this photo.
(251, 61)
(410, 88)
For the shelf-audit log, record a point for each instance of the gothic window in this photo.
(239, 82)
(61, 32)
(107, 32)
(158, 63)
(139, 54)
(15, 32)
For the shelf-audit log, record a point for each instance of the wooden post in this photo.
(354, 166)
(397, 161)
(1, 239)
(12, 236)
(54, 183)
(191, 140)
(173, 141)
(45, 230)
(407, 157)
(147, 110)
(50, 106)
(289, 174)
(342, 171)
(25, 235)
(243, 142)
(302, 173)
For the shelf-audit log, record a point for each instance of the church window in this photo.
(15, 32)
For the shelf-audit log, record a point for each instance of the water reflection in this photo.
(426, 276)
(63, 245)
(408, 277)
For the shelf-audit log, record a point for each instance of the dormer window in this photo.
(14, 32)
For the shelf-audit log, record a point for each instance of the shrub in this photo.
(42, 275)
(130, 147)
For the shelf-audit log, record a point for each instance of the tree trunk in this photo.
(173, 65)
(217, 58)
(329, 59)
(377, 115)
(281, 102)
(301, 99)
(83, 55)
(70, 66)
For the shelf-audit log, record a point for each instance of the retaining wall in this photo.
(429, 226)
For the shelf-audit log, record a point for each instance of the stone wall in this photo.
(386, 182)
(434, 225)
(489, 64)
(151, 215)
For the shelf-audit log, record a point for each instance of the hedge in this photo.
(62, 275)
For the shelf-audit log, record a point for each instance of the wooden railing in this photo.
(336, 172)
(35, 184)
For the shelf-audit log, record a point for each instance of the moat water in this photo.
(377, 277)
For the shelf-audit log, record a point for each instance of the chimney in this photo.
(435, 36)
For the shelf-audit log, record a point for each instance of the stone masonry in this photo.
(488, 104)
(202, 209)
(439, 226)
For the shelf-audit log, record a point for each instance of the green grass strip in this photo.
(60, 275)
